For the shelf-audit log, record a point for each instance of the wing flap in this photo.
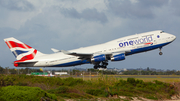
(89, 55)
(77, 54)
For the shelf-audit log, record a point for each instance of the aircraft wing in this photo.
(81, 55)
(89, 55)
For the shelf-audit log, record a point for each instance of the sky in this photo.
(71, 24)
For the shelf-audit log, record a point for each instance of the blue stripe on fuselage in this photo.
(73, 63)
(144, 49)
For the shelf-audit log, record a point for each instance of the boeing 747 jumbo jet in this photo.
(115, 50)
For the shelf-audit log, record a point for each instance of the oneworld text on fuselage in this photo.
(137, 41)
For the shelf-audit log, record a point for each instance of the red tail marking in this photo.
(30, 56)
(8, 45)
(27, 57)
(16, 64)
(14, 45)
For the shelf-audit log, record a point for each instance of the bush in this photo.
(131, 81)
(77, 88)
(24, 76)
(71, 81)
(6, 80)
(23, 93)
(139, 81)
(158, 82)
(68, 92)
(61, 89)
(21, 84)
(97, 92)
(113, 91)
(121, 83)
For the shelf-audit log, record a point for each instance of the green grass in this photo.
(100, 87)
(24, 93)
(145, 78)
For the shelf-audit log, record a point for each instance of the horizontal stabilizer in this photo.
(20, 62)
(24, 62)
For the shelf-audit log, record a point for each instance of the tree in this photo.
(7, 70)
(147, 68)
(1, 69)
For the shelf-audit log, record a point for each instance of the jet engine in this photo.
(117, 57)
(98, 58)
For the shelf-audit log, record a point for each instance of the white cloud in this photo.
(87, 14)
(134, 1)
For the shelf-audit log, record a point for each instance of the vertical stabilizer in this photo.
(21, 51)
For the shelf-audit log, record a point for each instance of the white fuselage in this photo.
(130, 45)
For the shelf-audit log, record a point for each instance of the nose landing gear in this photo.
(160, 53)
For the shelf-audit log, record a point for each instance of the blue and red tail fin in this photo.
(21, 51)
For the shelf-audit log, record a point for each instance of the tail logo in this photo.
(21, 51)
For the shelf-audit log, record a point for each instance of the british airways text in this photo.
(138, 41)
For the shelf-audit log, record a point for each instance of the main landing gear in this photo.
(160, 53)
(102, 64)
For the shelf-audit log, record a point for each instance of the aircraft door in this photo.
(155, 42)
(47, 63)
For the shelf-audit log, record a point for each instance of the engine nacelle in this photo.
(118, 57)
(98, 58)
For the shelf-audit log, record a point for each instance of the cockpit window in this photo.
(162, 32)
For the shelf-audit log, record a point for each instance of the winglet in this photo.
(55, 50)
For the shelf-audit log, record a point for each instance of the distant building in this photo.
(41, 74)
(125, 69)
(60, 73)
(102, 69)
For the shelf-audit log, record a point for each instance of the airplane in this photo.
(98, 55)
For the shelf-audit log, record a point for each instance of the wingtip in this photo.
(55, 50)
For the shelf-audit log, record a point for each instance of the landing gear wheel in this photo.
(95, 67)
(160, 53)
(103, 64)
(103, 67)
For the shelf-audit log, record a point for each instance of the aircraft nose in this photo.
(173, 37)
